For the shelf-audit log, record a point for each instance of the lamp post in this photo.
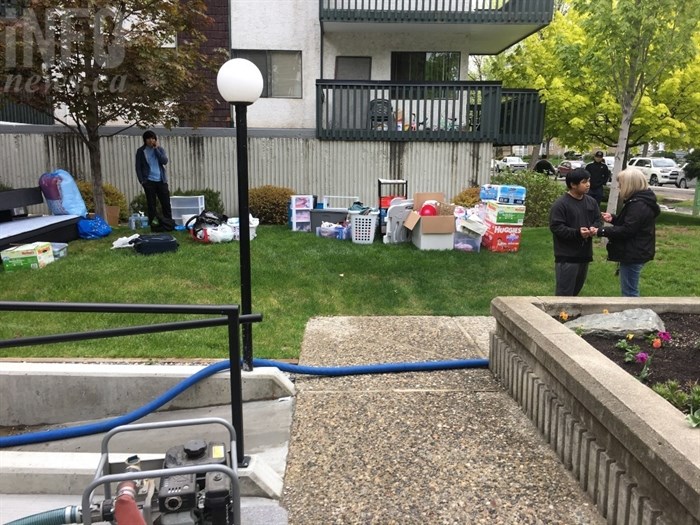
(240, 83)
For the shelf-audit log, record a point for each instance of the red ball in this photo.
(428, 210)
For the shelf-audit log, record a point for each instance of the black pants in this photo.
(570, 278)
(160, 191)
(597, 194)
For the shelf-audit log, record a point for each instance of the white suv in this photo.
(510, 164)
(659, 171)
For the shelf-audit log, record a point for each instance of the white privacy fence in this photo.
(206, 158)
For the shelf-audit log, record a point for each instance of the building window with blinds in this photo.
(281, 71)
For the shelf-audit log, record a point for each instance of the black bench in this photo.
(18, 227)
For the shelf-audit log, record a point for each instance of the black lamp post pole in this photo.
(241, 109)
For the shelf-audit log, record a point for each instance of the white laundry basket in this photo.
(363, 227)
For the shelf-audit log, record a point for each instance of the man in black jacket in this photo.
(599, 174)
(150, 170)
(573, 220)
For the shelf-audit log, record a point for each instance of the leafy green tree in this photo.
(632, 44)
(99, 61)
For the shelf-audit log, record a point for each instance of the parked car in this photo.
(610, 161)
(510, 164)
(659, 170)
(567, 166)
(684, 182)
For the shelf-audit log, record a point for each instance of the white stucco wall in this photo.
(281, 25)
(293, 25)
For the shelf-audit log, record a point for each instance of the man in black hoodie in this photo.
(632, 236)
(574, 220)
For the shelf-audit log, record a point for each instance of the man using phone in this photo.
(150, 170)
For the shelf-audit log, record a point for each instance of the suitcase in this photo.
(155, 243)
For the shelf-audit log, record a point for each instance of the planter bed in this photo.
(631, 450)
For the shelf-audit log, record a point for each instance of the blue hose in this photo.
(107, 425)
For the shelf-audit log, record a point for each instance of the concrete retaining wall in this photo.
(631, 450)
(48, 393)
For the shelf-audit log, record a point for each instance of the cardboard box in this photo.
(502, 237)
(112, 215)
(435, 224)
(431, 241)
(35, 255)
(503, 193)
(496, 213)
(430, 233)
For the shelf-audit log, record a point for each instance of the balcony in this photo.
(417, 111)
(490, 25)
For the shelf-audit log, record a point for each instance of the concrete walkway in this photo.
(424, 448)
(448, 447)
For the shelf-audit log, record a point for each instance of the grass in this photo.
(296, 276)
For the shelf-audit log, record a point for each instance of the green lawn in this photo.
(296, 276)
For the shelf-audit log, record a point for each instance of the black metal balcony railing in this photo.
(21, 113)
(444, 111)
(438, 11)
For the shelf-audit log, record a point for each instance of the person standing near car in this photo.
(150, 170)
(632, 236)
(544, 166)
(599, 174)
(573, 220)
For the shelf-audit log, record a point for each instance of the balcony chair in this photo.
(380, 114)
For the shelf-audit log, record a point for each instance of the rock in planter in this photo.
(638, 321)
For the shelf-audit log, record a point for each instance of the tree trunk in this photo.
(96, 170)
(534, 157)
(622, 137)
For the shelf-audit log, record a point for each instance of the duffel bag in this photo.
(155, 243)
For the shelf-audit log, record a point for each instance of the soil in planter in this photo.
(678, 359)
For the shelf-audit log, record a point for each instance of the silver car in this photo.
(684, 182)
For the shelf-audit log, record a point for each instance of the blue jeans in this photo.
(629, 279)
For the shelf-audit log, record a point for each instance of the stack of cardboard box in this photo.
(504, 213)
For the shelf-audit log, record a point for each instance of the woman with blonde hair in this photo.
(632, 236)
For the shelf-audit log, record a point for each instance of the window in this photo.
(10, 9)
(425, 67)
(281, 71)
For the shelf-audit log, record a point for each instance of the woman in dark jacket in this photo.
(632, 236)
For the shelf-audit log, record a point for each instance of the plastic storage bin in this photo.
(60, 250)
(183, 205)
(363, 227)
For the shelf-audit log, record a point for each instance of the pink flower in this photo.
(641, 357)
(664, 336)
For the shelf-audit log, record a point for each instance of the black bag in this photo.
(155, 243)
(203, 221)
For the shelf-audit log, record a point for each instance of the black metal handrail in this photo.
(427, 111)
(231, 319)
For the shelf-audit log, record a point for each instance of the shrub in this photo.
(4, 187)
(113, 197)
(468, 197)
(270, 204)
(212, 201)
(541, 194)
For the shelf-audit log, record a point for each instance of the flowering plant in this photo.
(634, 354)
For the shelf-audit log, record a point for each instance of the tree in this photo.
(133, 61)
(633, 44)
